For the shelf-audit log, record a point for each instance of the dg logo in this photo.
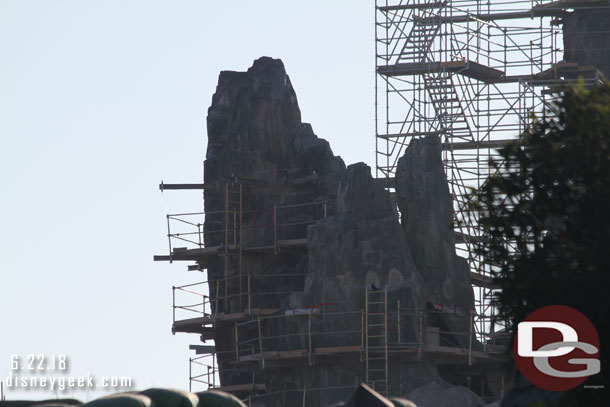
(557, 348)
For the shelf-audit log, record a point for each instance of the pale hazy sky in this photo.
(101, 100)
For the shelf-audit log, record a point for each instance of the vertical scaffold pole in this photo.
(240, 245)
(226, 289)
(366, 332)
(216, 311)
(309, 355)
(470, 340)
(385, 306)
(236, 345)
(173, 305)
(260, 343)
(169, 240)
(249, 297)
(421, 334)
(275, 228)
(199, 234)
(362, 335)
(398, 319)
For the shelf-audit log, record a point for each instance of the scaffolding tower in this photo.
(471, 72)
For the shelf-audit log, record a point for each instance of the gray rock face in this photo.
(355, 244)
(255, 132)
(586, 39)
(427, 220)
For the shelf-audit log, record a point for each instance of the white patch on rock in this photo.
(345, 282)
(395, 279)
(372, 278)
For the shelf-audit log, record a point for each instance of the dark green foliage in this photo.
(547, 214)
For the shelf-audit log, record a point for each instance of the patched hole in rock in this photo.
(395, 279)
(372, 280)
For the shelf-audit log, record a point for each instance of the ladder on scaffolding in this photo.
(425, 28)
(232, 241)
(376, 346)
(450, 113)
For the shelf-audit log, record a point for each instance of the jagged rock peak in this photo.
(266, 78)
(254, 119)
(360, 197)
(254, 110)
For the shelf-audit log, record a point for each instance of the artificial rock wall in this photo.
(255, 135)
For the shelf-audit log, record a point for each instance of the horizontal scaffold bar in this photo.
(456, 354)
(243, 181)
(163, 186)
(512, 15)
(460, 145)
(245, 387)
(398, 7)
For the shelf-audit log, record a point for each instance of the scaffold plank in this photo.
(481, 280)
(246, 387)
(409, 135)
(195, 325)
(193, 321)
(464, 67)
(337, 349)
(242, 316)
(198, 254)
(193, 328)
(463, 238)
(203, 349)
(415, 68)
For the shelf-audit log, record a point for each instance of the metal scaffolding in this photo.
(471, 72)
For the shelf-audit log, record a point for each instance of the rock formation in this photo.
(427, 220)
(586, 36)
(354, 243)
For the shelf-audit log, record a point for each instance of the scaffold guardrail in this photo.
(288, 222)
(187, 301)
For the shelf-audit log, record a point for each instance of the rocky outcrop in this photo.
(294, 188)
(427, 220)
(586, 39)
(360, 247)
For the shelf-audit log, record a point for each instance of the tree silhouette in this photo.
(546, 214)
